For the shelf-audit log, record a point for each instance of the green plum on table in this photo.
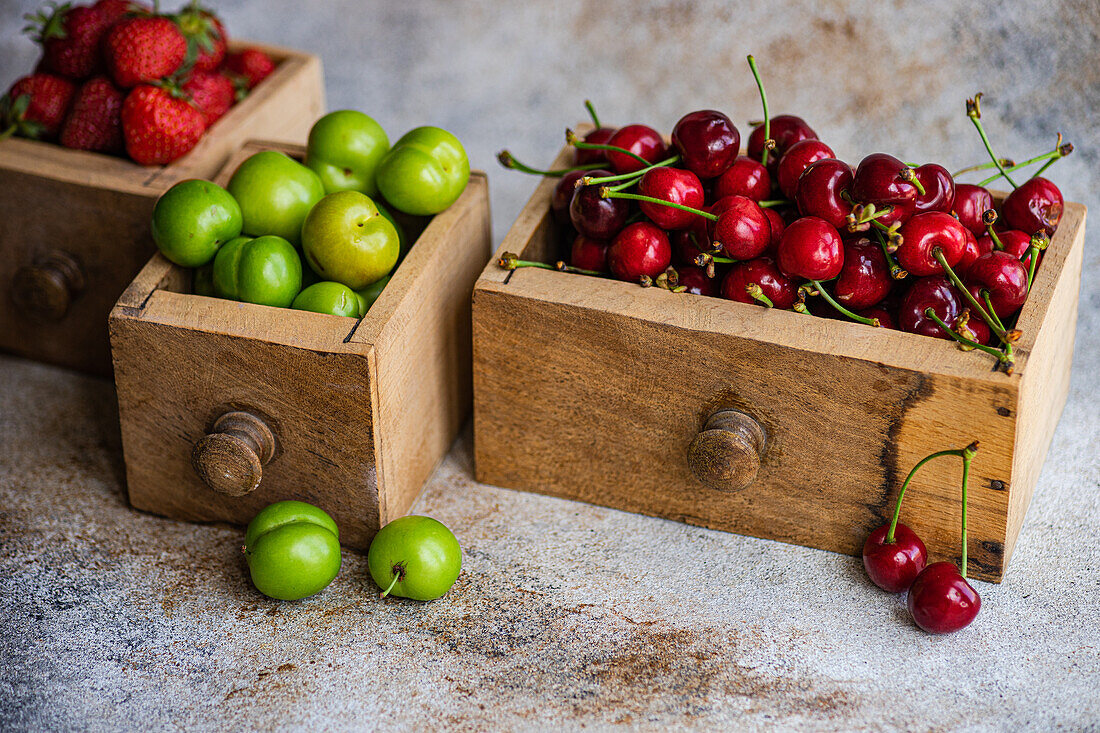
(344, 149)
(414, 557)
(346, 239)
(330, 297)
(265, 270)
(193, 219)
(424, 172)
(275, 193)
(293, 550)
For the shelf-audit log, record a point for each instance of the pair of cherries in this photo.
(940, 599)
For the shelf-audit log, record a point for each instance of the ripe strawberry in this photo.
(35, 106)
(159, 125)
(212, 92)
(206, 37)
(70, 38)
(95, 121)
(252, 64)
(113, 10)
(144, 49)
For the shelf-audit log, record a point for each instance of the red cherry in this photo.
(819, 190)
(742, 228)
(885, 320)
(777, 225)
(786, 130)
(641, 249)
(811, 248)
(797, 158)
(599, 136)
(684, 244)
(939, 188)
(746, 177)
(695, 280)
(1036, 205)
(971, 201)
(779, 288)
(1015, 242)
(933, 292)
(979, 330)
(894, 566)
(707, 141)
(878, 180)
(922, 234)
(677, 186)
(563, 194)
(589, 254)
(974, 248)
(595, 216)
(941, 601)
(1003, 276)
(865, 277)
(640, 140)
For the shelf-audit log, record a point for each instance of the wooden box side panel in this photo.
(424, 365)
(173, 382)
(1045, 384)
(589, 404)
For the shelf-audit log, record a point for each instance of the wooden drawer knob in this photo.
(726, 453)
(46, 289)
(230, 459)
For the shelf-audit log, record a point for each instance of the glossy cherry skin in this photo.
(1036, 205)
(974, 248)
(885, 319)
(939, 188)
(934, 292)
(589, 254)
(819, 190)
(742, 228)
(696, 280)
(797, 159)
(811, 248)
(745, 177)
(563, 194)
(677, 186)
(941, 601)
(971, 201)
(894, 566)
(979, 330)
(878, 181)
(1015, 242)
(599, 136)
(922, 234)
(708, 142)
(786, 130)
(640, 140)
(779, 288)
(639, 249)
(597, 217)
(1004, 277)
(865, 277)
(684, 247)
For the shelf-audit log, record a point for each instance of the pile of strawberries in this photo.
(119, 77)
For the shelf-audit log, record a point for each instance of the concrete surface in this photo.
(566, 615)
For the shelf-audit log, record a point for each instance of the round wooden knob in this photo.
(726, 453)
(230, 459)
(46, 289)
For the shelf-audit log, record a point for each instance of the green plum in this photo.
(193, 219)
(414, 557)
(293, 550)
(265, 270)
(424, 172)
(344, 149)
(403, 241)
(330, 297)
(370, 293)
(347, 240)
(275, 193)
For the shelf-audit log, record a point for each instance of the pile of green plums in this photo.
(293, 551)
(248, 241)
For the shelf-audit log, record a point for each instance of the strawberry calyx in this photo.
(13, 118)
(48, 23)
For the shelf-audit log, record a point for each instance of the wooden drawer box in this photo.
(74, 226)
(593, 389)
(356, 412)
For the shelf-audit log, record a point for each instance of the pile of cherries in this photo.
(940, 598)
(888, 244)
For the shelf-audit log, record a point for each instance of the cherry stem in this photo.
(889, 540)
(588, 181)
(1046, 165)
(508, 161)
(1001, 334)
(829, 299)
(997, 243)
(968, 457)
(772, 203)
(974, 112)
(896, 271)
(1009, 163)
(910, 177)
(1001, 356)
(608, 193)
(757, 294)
(764, 101)
(396, 577)
(510, 261)
(989, 305)
(592, 112)
(572, 139)
(1054, 155)
(1033, 253)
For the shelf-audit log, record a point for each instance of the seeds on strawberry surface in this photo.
(159, 127)
(252, 64)
(70, 38)
(35, 106)
(95, 121)
(144, 49)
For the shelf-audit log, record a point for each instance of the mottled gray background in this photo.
(568, 615)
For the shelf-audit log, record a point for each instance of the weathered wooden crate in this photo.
(349, 414)
(593, 389)
(74, 225)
